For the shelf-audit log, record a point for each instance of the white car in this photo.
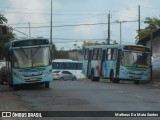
(63, 75)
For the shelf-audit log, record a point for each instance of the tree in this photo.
(152, 24)
(93, 43)
(59, 54)
(2, 19)
(4, 38)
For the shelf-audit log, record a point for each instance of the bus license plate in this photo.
(136, 76)
(33, 78)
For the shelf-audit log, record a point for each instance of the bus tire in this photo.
(112, 79)
(111, 76)
(97, 79)
(92, 76)
(15, 87)
(10, 85)
(117, 80)
(46, 84)
(136, 82)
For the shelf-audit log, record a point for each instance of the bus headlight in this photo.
(146, 73)
(124, 71)
(47, 73)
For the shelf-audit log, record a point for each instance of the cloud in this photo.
(18, 13)
(87, 30)
(27, 6)
(127, 15)
(130, 11)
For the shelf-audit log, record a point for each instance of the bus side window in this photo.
(55, 65)
(108, 56)
(86, 54)
(61, 66)
(95, 51)
(99, 54)
(114, 54)
(67, 66)
(79, 66)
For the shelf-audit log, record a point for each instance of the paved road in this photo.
(82, 95)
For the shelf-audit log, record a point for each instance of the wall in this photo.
(156, 58)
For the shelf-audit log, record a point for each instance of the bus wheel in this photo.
(10, 85)
(117, 80)
(97, 79)
(46, 84)
(92, 75)
(112, 77)
(16, 87)
(136, 82)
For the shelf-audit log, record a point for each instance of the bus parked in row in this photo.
(29, 61)
(75, 67)
(117, 62)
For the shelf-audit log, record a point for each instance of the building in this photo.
(153, 41)
(69, 54)
(75, 55)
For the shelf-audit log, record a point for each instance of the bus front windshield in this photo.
(135, 59)
(31, 57)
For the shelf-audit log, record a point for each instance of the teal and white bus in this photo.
(29, 61)
(117, 62)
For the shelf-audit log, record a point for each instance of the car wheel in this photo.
(73, 79)
(61, 78)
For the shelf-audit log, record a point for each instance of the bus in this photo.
(75, 67)
(29, 61)
(117, 62)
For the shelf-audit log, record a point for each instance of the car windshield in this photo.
(135, 59)
(31, 57)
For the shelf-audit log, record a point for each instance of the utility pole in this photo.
(120, 32)
(151, 71)
(51, 26)
(29, 29)
(120, 22)
(108, 39)
(139, 20)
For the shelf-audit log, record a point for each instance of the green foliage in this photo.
(4, 38)
(93, 43)
(59, 54)
(152, 24)
(2, 19)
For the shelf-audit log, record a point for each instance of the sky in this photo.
(75, 21)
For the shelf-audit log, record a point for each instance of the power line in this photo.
(66, 25)
(47, 13)
(87, 24)
(79, 39)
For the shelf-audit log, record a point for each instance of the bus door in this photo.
(89, 64)
(118, 62)
(102, 62)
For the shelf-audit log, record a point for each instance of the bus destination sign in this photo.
(136, 48)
